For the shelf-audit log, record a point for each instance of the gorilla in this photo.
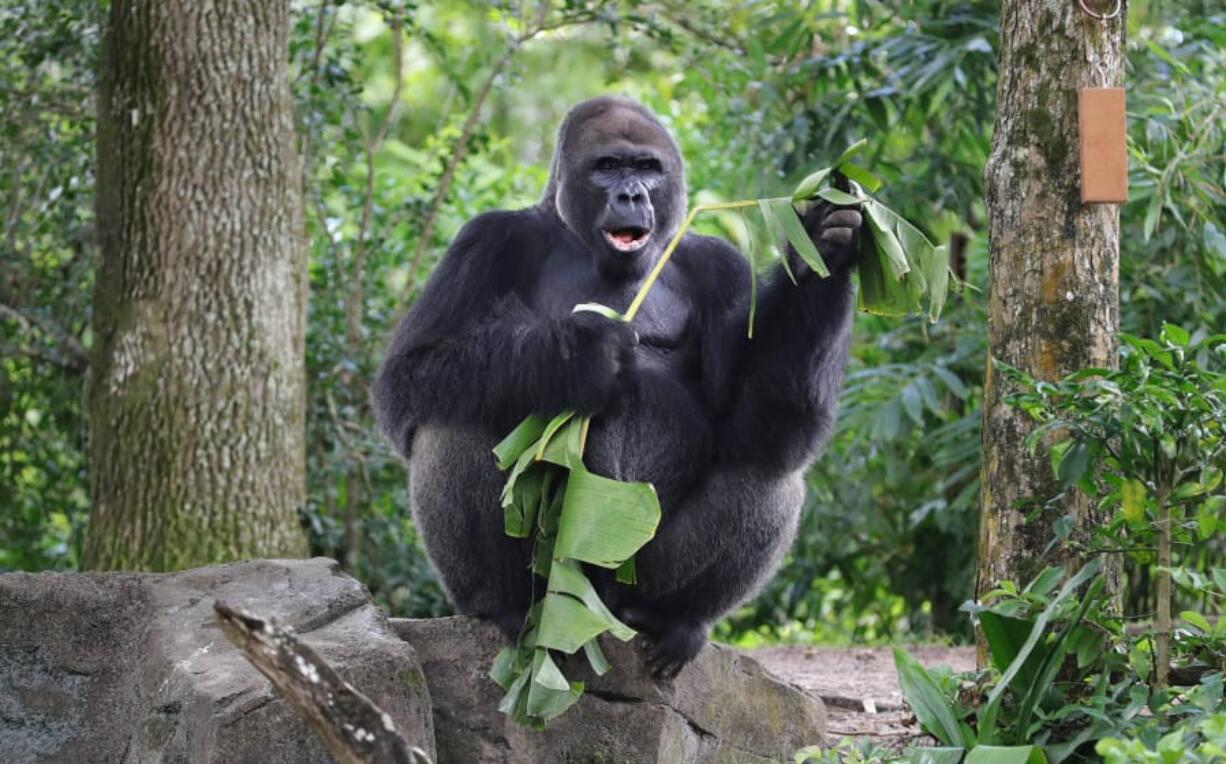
(723, 426)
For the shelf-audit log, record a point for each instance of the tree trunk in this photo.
(197, 387)
(1053, 300)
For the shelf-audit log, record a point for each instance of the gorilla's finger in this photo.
(839, 235)
(841, 182)
(843, 218)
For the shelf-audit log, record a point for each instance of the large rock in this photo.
(130, 667)
(723, 707)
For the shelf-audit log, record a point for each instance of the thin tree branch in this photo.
(323, 30)
(680, 16)
(77, 356)
(459, 147)
(357, 293)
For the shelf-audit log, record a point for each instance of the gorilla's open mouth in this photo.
(628, 239)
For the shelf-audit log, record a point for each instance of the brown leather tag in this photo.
(1104, 153)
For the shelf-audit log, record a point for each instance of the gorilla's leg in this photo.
(454, 485)
(711, 553)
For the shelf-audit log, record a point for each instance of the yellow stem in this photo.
(584, 424)
(650, 281)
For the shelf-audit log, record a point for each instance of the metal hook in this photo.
(1119, 4)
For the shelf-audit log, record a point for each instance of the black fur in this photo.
(723, 426)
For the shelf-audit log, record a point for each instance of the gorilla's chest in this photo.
(664, 322)
(660, 433)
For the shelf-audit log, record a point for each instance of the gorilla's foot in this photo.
(672, 643)
(676, 646)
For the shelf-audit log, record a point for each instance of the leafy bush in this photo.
(1066, 680)
(1148, 439)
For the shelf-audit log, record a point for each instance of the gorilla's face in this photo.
(627, 176)
(618, 184)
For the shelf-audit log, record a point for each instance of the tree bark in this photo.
(1053, 299)
(197, 386)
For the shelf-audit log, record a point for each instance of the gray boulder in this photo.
(130, 667)
(723, 707)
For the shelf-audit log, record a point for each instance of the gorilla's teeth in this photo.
(627, 240)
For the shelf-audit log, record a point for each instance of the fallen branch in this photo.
(353, 728)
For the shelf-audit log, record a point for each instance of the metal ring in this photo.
(1119, 4)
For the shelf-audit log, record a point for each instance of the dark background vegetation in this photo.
(756, 93)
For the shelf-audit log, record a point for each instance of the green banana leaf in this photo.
(604, 522)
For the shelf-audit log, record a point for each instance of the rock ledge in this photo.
(723, 707)
(130, 667)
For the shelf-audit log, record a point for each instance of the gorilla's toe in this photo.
(676, 647)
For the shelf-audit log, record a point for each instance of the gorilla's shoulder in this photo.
(715, 267)
(497, 227)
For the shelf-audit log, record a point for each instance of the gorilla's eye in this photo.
(648, 165)
(607, 163)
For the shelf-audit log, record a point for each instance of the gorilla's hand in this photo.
(835, 229)
(599, 357)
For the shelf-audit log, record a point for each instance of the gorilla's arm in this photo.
(772, 401)
(785, 386)
(472, 352)
(775, 395)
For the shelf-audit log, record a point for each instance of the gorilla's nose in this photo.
(628, 196)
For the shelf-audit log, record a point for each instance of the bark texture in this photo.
(197, 387)
(354, 729)
(1054, 285)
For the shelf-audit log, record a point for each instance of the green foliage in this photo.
(1031, 636)
(1154, 430)
(934, 713)
(571, 516)
(846, 751)
(1177, 203)
(1146, 439)
(1066, 681)
(47, 57)
(756, 94)
(1198, 741)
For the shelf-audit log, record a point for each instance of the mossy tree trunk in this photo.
(1054, 266)
(197, 386)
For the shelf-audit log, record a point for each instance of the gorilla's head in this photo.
(618, 183)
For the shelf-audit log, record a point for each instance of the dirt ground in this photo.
(859, 685)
